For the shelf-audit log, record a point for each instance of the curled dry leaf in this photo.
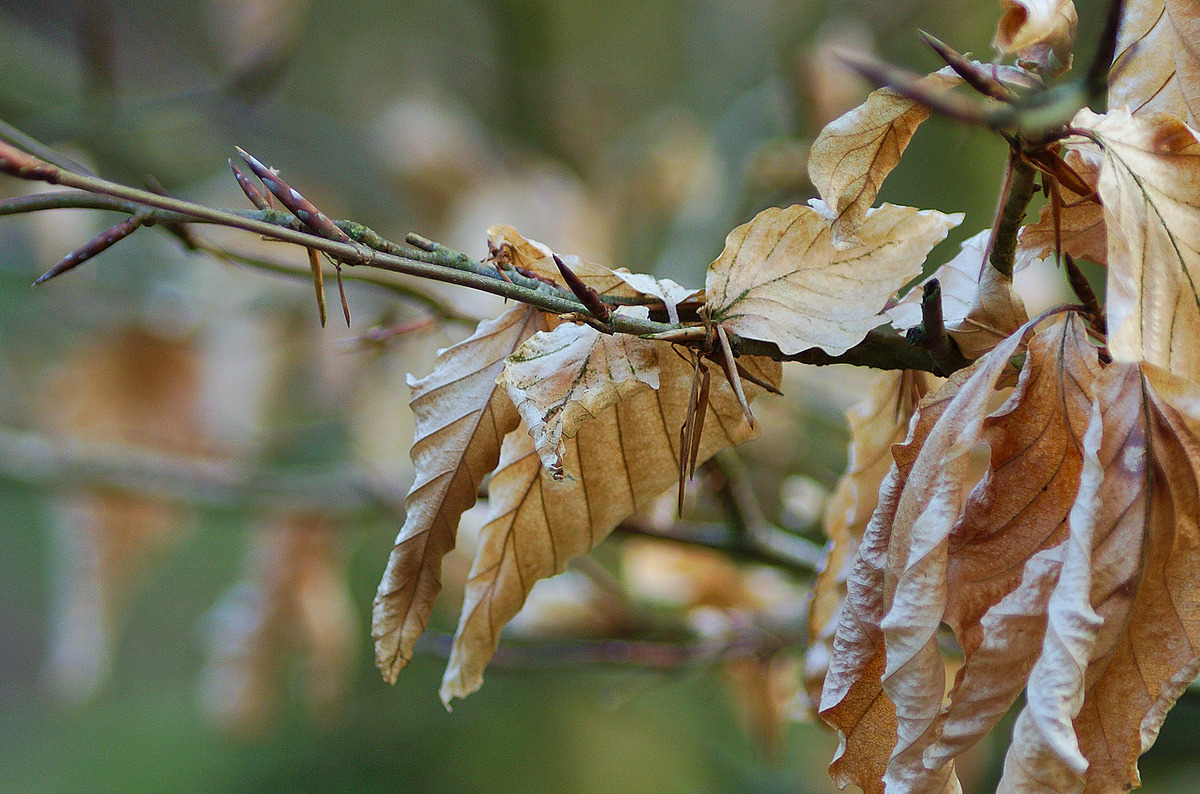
(538, 259)
(461, 417)
(1081, 232)
(979, 305)
(1123, 636)
(1005, 550)
(876, 423)
(1041, 33)
(781, 279)
(1150, 187)
(886, 680)
(617, 462)
(559, 379)
(1157, 66)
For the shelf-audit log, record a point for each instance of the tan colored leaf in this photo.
(854, 154)
(539, 259)
(915, 586)
(1005, 552)
(618, 461)
(1150, 186)
(1081, 230)
(559, 379)
(979, 305)
(852, 699)
(876, 423)
(1041, 33)
(780, 278)
(1158, 60)
(292, 599)
(1123, 638)
(461, 417)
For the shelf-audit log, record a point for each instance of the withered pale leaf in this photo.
(1081, 232)
(461, 417)
(852, 698)
(617, 462)
(876, 423)
(1150, 186)
(854, 153)
(560, 379)
(1123, 637)
(1017, 512)
(538, 258)
(1158, 60)
(1040, 33)
(979, 305)
(780, 279)
(915, 586)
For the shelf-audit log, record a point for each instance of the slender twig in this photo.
(1019, 187)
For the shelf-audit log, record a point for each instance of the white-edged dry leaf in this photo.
(1005, 549)
(852, 698)
(560, 379)
(1081, 232)
(1040, 33)
(1123, 635)
(1150, 187)
(461, 417)
(979, 305)
(618, 461)
(780, 279)
(1158, 60)
(854, 153)
(666, 290)
(877, 422)
(915, 587)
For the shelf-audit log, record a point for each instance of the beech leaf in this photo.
(1080, 226)
(619, 461)
(461, 418)
(780, 279)
(1040, 33)
(979, 305)
(561, 378)
(1123, 637)
(1158, 60)
(1150, 187)
(877, 422)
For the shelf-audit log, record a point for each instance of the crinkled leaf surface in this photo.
(617, 462)
(1158, 59)
(979, 305)
(1041, 33)
(997, 593)
(559, 379)
(1123, 636)
(877, 422)
(852, 699)
(461, 418)
(1150, 186)
(780, 279)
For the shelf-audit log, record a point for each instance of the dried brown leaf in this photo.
(1124, 620)
(877, 422)
(461, 417)
(1158, 60)
(1040, 33)
(1150, 186)
(780, 279)
(979, 306)
(616, 463)
(1005, 551)
(560, 379)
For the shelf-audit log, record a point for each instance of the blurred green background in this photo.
(633, 133)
